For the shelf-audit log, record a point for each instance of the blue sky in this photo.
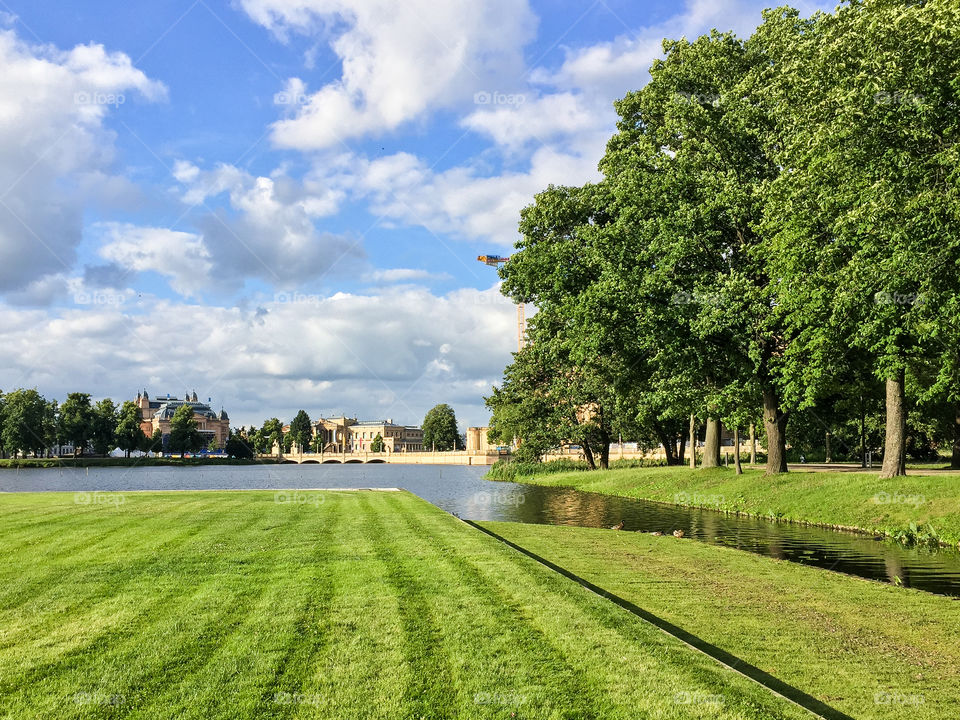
(279, 203)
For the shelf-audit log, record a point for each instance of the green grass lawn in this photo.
(847, 499)
(865, 648)
(336, 605)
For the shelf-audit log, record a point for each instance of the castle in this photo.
(157, 414)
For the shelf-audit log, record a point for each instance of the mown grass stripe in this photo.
(738, 665)
(567, 685)
(71, 667)
(23, 587)
(430, 690)
(295, 666)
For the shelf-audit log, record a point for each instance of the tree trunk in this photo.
(736, 450)
(604, 451)
(681, 448)
(895, 441)
(774, 423)
(667, 443)
(588, 455)
(693, 440)
(863, 434)
(711, 444)
(753, 444)
(955, 460)
(829, 456)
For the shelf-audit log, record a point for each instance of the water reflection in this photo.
(462, 490)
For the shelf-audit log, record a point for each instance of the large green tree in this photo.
(104, 430)
(76, 421)
(440, 429)
(271, 435)
(184, 435)
(866, 211)
(301, 430)
(26, 422)
(129, 435)
(238, 446)
(688, 171)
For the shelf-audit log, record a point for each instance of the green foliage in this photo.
(129, 433)
(271, 435)
(238, 446)
(76, 421)
(28, 422)
(377, 444)
(184, 435)
(104, 430)
(301, 431)
(440, 429)
(777, 224)
(154, 443)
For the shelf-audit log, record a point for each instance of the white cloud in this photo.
(460, 201)
(181, 257)
(399, 60)
(542, 120)
(404, 275)
(54, 151)
(269, 229)
(391, 354)
(552, 132)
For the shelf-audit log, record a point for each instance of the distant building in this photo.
(158, 413)
(345, 434)
(477, 439)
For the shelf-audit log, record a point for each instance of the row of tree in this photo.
(31, 424)
(775, 241)
(439, 432)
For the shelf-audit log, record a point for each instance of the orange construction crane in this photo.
(496, 261)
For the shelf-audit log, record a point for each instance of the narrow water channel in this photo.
(462, 490)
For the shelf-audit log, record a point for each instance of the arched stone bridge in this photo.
(458, 457)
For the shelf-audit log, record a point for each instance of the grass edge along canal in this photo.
(921, 507)
(866, 648)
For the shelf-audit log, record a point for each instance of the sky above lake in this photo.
(278, 204)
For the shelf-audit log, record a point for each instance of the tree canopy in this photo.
(775, 228)
(440, 429)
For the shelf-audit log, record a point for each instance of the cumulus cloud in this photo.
(395, 353)
(54, 150)
(553, 131)
(399, 60)
(179, 256)
(461, 201)
(542, 119)
(268, 229)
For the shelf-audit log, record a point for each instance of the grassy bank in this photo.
(868, 649)
(123, 462)
(928, 502)
(332, 605)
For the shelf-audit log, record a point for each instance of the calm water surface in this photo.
(462, 490)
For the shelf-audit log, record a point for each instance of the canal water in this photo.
(463, 491)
